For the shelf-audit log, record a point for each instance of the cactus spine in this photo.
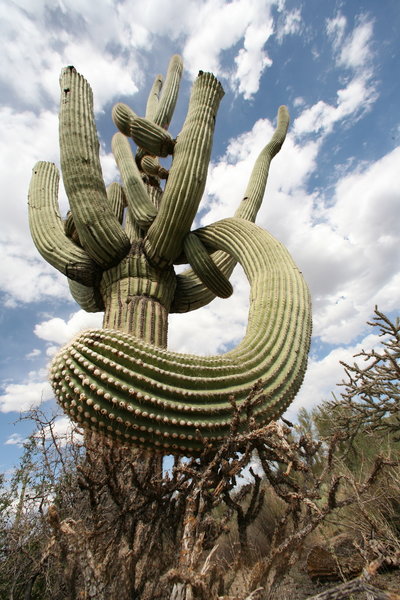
(121, 380)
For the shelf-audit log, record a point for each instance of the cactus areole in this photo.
(118, 247)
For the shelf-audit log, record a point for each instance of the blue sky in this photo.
(332, 196)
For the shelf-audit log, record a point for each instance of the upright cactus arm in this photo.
(100, 233)
(139, 205)
(191, 292)
(154, 96)
(187, 176)
(117, 200)
(255, 190)
(137, 392)
(169, 93)
(48, 231)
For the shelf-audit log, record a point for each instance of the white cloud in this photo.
(58, 331)
(15, 439)
(353, 53)
(214, 328)
(323, 376)
(292, 24)
(251, 60)
(335, 29)
(39, 42)
(356, 52)
(20, 397)
(353, 100)
(33, 354)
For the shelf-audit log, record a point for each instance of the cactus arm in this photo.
(152, 101)
(88, 297)
(99, 231)
(191, 293)
(204, 266)
(151, 166)
(169, 93)
(146, 134)
(115, 382)
(47, 227)
(187, 176)
(117, 200)
(255, 190)
(139, 205)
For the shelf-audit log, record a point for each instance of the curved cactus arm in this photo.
(99, 231)
(146, 134)
(190, 292)
(139, 204)
(47, 227)
(255, 190)
(111, 381)
(204, 266)
(169, 92)
(152, 101)
(117, 200)
(152, 167)
(188, 173)
(88, 297)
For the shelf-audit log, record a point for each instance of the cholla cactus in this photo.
(118, 247)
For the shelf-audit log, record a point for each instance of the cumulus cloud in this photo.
(40, 41)
(215, 328)
(20, 397)
(59, 331)
(323, 376)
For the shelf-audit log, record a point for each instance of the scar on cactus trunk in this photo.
(118, 247)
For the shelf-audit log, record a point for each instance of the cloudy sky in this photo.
(333, 196)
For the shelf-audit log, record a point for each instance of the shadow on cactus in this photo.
(118, 247)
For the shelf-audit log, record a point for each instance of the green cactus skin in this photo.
(176, 402)
(118, 248)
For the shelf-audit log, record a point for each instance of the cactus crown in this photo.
(118, 246)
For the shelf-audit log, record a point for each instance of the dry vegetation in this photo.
(281, 512)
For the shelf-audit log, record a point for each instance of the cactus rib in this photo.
(136, 391)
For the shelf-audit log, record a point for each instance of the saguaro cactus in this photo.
(118, 247)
